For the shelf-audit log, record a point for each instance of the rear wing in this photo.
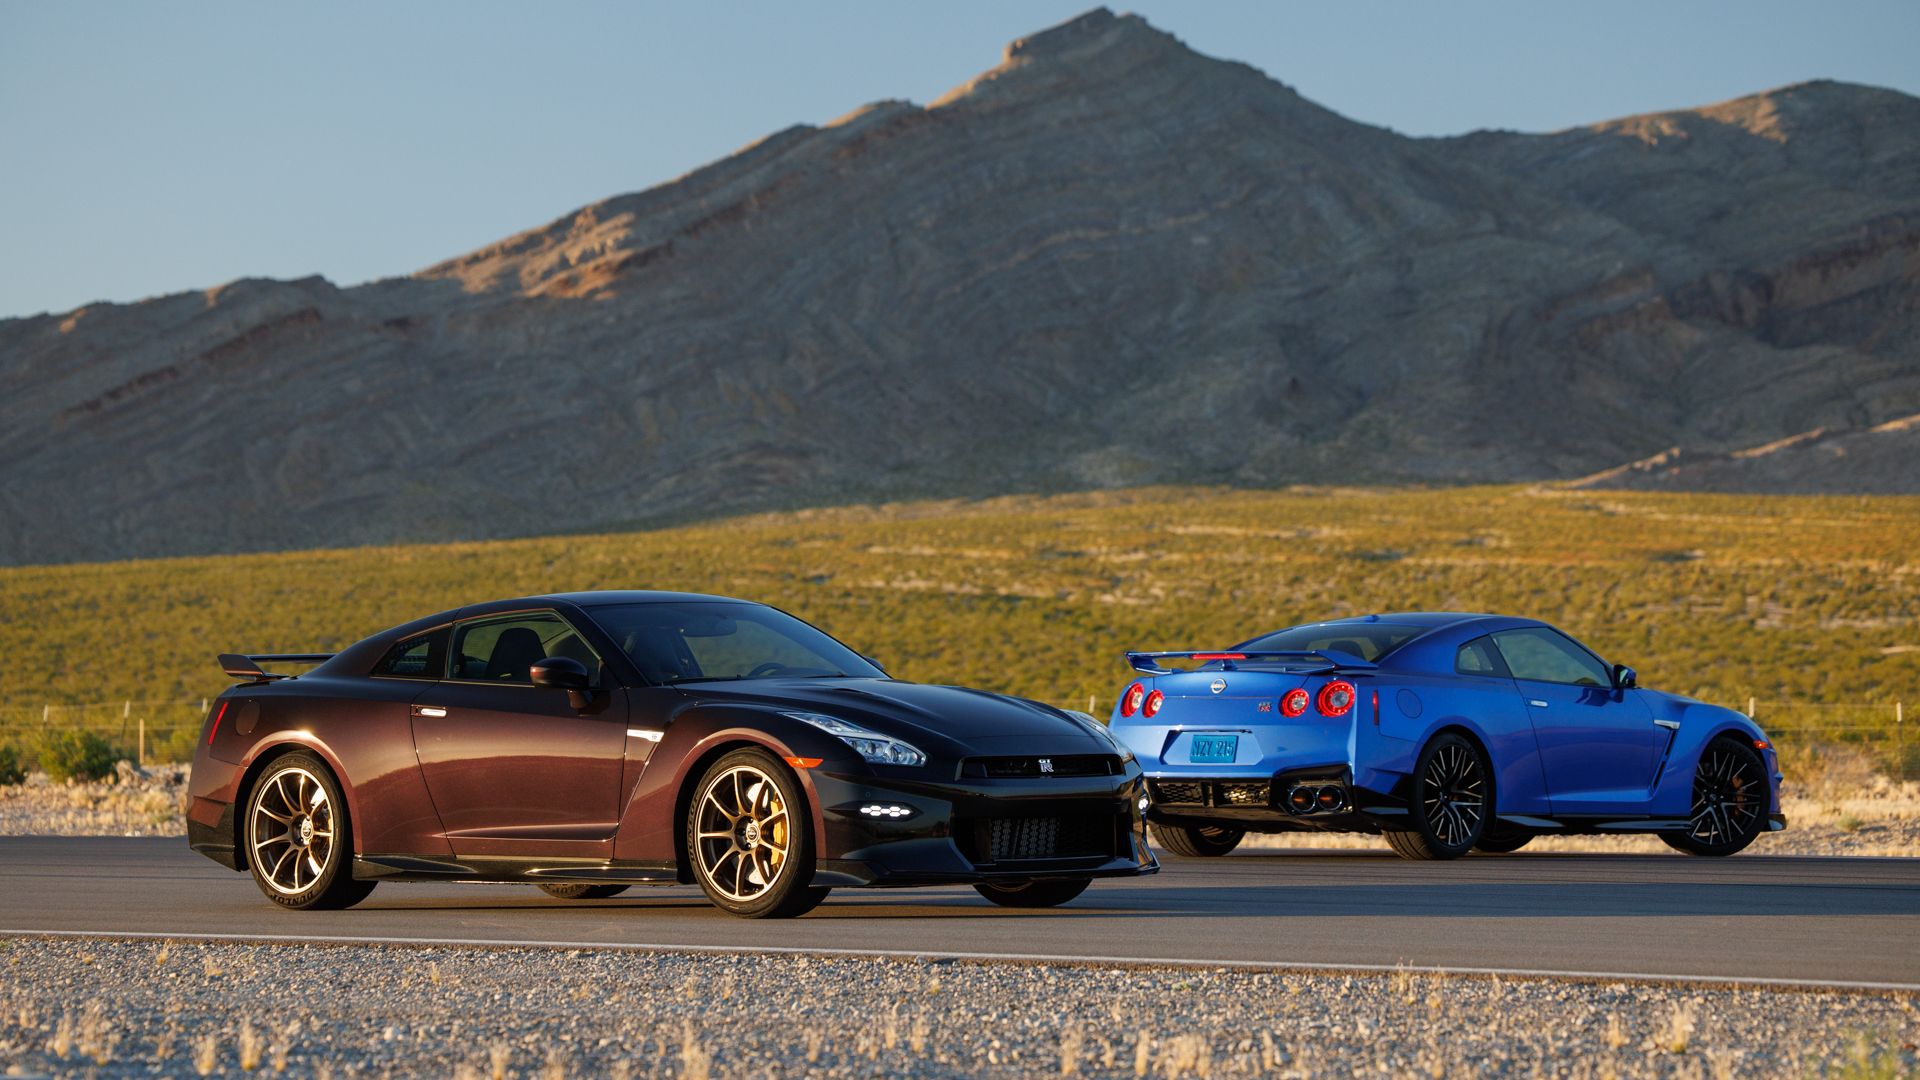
(247, 666)
(1307, 660)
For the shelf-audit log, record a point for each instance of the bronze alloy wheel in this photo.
(298, 845)
(747, 836)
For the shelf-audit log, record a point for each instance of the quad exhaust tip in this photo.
(1310, 798)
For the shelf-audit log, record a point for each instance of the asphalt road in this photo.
(1751, 917)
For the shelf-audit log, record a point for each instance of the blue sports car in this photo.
(1446, 732)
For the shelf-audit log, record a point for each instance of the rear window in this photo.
(1368, 641)
(422, 656)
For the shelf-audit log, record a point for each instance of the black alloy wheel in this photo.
(1729, 801)
(1033, 894)
(1451, 800)
(1199, 841)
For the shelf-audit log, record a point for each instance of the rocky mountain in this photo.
(1110, 260)
(1880, 460)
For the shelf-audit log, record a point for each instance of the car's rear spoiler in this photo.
(1311, 660)
(247, 666)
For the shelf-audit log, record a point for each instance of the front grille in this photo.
(1079, 836)
(1059, 765)
(1212, 793)
(1178, 793)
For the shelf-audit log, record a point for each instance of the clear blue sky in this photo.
(151, 148)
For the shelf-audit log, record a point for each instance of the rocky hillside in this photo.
(1109, 260)
(1880, 460)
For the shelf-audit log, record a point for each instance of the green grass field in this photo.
(1722, 597)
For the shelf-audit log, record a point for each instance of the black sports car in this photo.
(586, 742)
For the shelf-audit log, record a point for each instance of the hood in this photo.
(907, 710)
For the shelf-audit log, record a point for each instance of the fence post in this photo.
(46, 714)
(1900, 739)
(1749, 708)
(1090, 711)
(140, 755)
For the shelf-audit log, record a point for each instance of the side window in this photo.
(422, 656)
(1549, 656)
(504, 650)
(1479, 657)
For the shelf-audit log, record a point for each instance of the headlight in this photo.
(1101, 731)
(875, 747)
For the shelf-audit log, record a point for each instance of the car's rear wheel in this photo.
(299, 839)
(1451, 798)
(748, 839)
(1198, 841)
(1501, 844)
(582, 892)
(1033, 894)
(1729, 801)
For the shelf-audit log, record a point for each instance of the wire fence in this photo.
(160, 732)
(1841, 741)
(1810, 736)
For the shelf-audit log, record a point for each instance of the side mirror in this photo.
(1624, 677)
(559, 672)
(875, 663)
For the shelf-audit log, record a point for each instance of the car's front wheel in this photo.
(1729, 801)
(1033, 894)
(748, 839)
(1198, 841)
(1451, 799)
(299, 839)
(582, 892)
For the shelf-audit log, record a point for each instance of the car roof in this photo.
(1410, 618)
(603, 597)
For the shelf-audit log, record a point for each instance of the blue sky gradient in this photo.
(152, 148)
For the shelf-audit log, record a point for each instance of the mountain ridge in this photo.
(1109, 260)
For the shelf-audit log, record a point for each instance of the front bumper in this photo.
(899, 830)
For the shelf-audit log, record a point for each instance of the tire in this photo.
(1501, 845)
(1450, 800)
(1729, 801)
(1033, 894)
(299, 838)
(1199, 841)
(582, 892)
(747, 838)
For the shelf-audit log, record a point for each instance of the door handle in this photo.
(434, 711)
(1670, 725)
(643, 733)
(1536, 703)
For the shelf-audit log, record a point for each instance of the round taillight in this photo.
(1336, 698)
(1294, 703)
(1131, 701)
(1151, 707)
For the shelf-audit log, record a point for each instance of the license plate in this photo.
(1214, 749)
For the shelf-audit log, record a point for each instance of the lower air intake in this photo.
(1049, 838)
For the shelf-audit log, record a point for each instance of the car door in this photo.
(516, 769)
(1597, 744)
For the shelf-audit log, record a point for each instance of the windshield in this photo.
(1368, 641)
(719, 639)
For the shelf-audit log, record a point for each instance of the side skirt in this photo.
(531, 871)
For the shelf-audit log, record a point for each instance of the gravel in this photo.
(146, 1008)
(137, 802)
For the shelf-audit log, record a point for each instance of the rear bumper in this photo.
(894, 832)
(214, 838)
(1263, 804)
